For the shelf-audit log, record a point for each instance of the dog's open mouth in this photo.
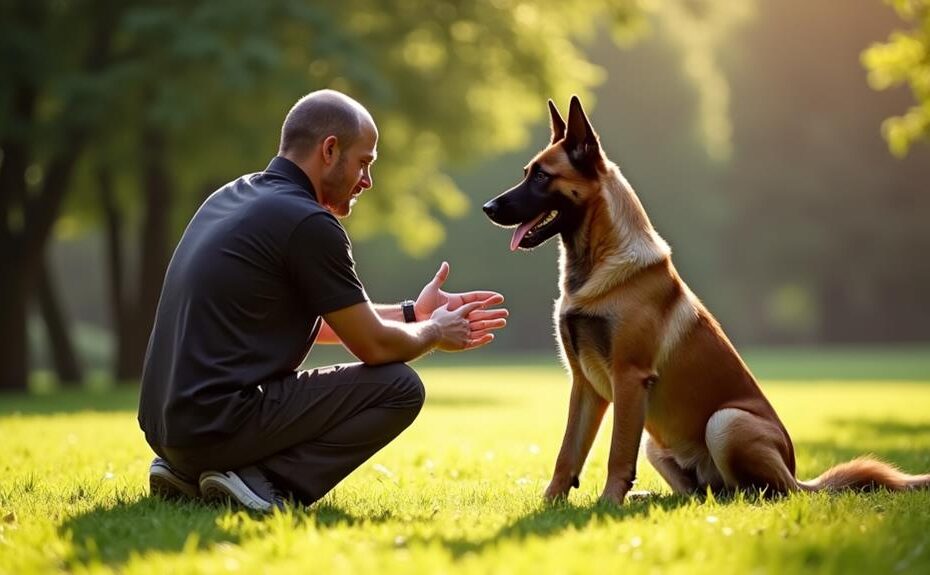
(533, 229)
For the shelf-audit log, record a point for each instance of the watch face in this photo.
(407, 308)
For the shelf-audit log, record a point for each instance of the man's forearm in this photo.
(389, 311)
(400, 341)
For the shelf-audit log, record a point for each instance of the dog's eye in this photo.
(541, 176)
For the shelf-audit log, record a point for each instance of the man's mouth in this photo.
(533, 228)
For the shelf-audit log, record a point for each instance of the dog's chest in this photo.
(587, 338)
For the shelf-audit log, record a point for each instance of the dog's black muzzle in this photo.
(491, 209)
(515, 206)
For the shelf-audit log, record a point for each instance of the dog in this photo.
(632, 334)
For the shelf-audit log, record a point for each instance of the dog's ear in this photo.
(581, 142)
(556, 122)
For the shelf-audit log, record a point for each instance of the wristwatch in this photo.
(407, 307)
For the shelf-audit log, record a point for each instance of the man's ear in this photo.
(556, 123)
(581, 142)
(330, 149)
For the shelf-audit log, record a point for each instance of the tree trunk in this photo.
(155, 252)
(13, 358)
(119, 310)
(64, 357)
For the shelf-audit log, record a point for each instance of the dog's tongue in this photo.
(522, 229)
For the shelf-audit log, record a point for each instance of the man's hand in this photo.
(458, 332)
(432, 298)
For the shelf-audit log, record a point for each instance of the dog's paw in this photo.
(554, 494)
(558, 489)
(639, 495)
(614, 495)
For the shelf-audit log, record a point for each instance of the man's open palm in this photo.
(432, 297)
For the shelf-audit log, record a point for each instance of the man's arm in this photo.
(432, 297)
(376, 341)
(388, 312)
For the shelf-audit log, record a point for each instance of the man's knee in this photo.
(410, 389)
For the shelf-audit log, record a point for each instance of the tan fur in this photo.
(670, 368)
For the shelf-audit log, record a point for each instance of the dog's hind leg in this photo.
(680, 480)
(748, 450)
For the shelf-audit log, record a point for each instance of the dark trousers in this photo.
(314, 428)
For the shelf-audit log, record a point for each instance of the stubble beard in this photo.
(338, 180)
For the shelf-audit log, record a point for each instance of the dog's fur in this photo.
(633, 334)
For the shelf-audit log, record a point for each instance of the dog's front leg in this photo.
(629, 387)
(585, 412)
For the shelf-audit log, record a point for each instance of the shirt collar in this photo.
(292, 172)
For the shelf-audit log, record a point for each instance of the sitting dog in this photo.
(632, 333)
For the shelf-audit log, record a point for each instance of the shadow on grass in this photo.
(111, 535)
(551, 520)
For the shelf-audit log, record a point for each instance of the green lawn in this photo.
(459, 492)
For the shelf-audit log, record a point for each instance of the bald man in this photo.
(264, 270)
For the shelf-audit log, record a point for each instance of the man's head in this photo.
(334, 140)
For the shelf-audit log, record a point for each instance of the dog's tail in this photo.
(863, 474)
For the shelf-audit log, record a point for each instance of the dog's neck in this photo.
(615, 240)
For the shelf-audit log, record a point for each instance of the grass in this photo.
(459, 491)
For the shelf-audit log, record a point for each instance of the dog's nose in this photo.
(490, 208)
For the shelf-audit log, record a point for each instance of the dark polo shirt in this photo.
(257, 266)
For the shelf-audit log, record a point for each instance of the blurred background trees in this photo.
(747, 127)
(905, 59)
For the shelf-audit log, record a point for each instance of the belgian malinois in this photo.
(632, 333)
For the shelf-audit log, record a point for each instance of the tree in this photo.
(904, 59)
(51, 56)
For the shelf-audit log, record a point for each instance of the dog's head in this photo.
(557, 185)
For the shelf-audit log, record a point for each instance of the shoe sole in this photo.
(224, 487)
(165, 484)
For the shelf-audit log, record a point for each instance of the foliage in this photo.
(904, 59)
(447, 83)
(459, 493)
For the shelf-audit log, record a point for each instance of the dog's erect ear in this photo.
(556, 122)
(581, 141)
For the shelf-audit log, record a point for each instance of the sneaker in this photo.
(248, 487)
(167, 483)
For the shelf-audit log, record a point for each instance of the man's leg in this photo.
(310, 469)
(313, 429)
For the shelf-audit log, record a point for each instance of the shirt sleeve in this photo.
(319, 259)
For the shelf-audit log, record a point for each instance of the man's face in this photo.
(350, 174)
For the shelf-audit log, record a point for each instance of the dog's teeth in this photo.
(543, 223)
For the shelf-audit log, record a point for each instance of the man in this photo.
(263, 270)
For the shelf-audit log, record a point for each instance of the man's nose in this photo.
(366, 181)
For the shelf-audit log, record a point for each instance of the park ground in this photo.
(459, 492)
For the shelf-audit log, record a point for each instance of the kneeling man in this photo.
(263, 270)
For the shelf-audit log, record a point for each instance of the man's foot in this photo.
(167, 483)
(248, 487)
